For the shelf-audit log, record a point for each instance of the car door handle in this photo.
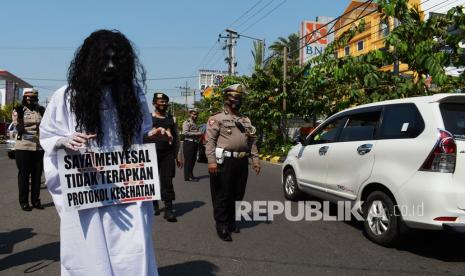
(323, 150)
(364, 149)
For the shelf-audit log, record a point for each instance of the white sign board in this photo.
(93, 178)
(315, 37)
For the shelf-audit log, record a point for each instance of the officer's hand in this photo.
(213, 168)
(159, 133)
(256, 167)
(179, 163)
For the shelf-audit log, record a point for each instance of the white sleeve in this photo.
(146, 116)
(55, 122)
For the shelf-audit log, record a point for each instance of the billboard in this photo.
(316, 35)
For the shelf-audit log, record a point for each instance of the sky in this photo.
(174, 38)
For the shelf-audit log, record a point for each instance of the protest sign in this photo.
(94, 177)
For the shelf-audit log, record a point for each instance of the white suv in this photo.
(402, 160)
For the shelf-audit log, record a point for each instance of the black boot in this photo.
(156, 208)
(233, 228)
(223, 232)
(169, 213)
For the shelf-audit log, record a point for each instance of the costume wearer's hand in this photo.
(75, 141)
(256, 167)
(213, 168)
(179, 163)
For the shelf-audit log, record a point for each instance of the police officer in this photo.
(191, 144)
(167, 153)
(28, 153)
(230, 141)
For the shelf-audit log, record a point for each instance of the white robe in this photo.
(111, 240)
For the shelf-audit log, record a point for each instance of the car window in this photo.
(360, 127)
(329, 133)
(453, 115)
(401, 121)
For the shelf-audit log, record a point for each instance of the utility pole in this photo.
(230, 45)
(185, 91)
(284, 92)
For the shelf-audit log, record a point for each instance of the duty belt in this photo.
(191, 140)
(235, 154)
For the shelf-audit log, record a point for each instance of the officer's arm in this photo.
(213, 131)
(254, 150)
(186, 130)
(175, 139)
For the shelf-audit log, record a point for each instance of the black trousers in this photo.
(190, 155)
(227, 187)
(30, 165)
(166, 172)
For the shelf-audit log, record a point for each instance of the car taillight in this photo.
(443, 156)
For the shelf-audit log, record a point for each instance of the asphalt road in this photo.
(29, 241)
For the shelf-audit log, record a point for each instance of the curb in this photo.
(272, 159)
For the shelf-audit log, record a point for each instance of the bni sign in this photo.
(314, 40)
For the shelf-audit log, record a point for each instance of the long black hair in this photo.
(86, 84)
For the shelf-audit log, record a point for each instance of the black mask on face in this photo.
(234, 102)
(109, 70)
(29, 102)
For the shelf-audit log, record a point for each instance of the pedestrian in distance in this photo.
(167, 153)
(29, 153)
(231, 141)
(102, 106)
(192, 134)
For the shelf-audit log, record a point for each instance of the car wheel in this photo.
(381, 222)
(291, 189)
(11, 154)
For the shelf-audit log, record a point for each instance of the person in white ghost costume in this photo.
(110, 240)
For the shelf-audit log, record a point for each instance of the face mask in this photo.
(234, 103)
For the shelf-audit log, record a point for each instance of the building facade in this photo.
(11, 87)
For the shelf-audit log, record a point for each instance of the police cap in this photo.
(235, 89)
(160, 96)
(196, 110)
(30, 92)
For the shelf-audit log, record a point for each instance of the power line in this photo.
(245, 13)
(261, 18)
(255, 14)
(148, 79)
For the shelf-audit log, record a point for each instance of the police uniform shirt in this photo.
(223, 132)
(190, 129)
(28, 130)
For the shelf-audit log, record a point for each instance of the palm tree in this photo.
(292, 42)
(258, 54)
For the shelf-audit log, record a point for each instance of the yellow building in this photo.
(376, 29)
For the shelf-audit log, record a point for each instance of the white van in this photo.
(402, 160)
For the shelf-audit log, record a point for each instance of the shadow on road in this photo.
(186, 207)
(438, 245)
(203, 268)
(49, 204)
(204, 177)
(45, 254)
(9, 239)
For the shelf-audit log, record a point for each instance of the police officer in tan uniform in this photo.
(192, 134)
(28, 153)
(231, 141)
